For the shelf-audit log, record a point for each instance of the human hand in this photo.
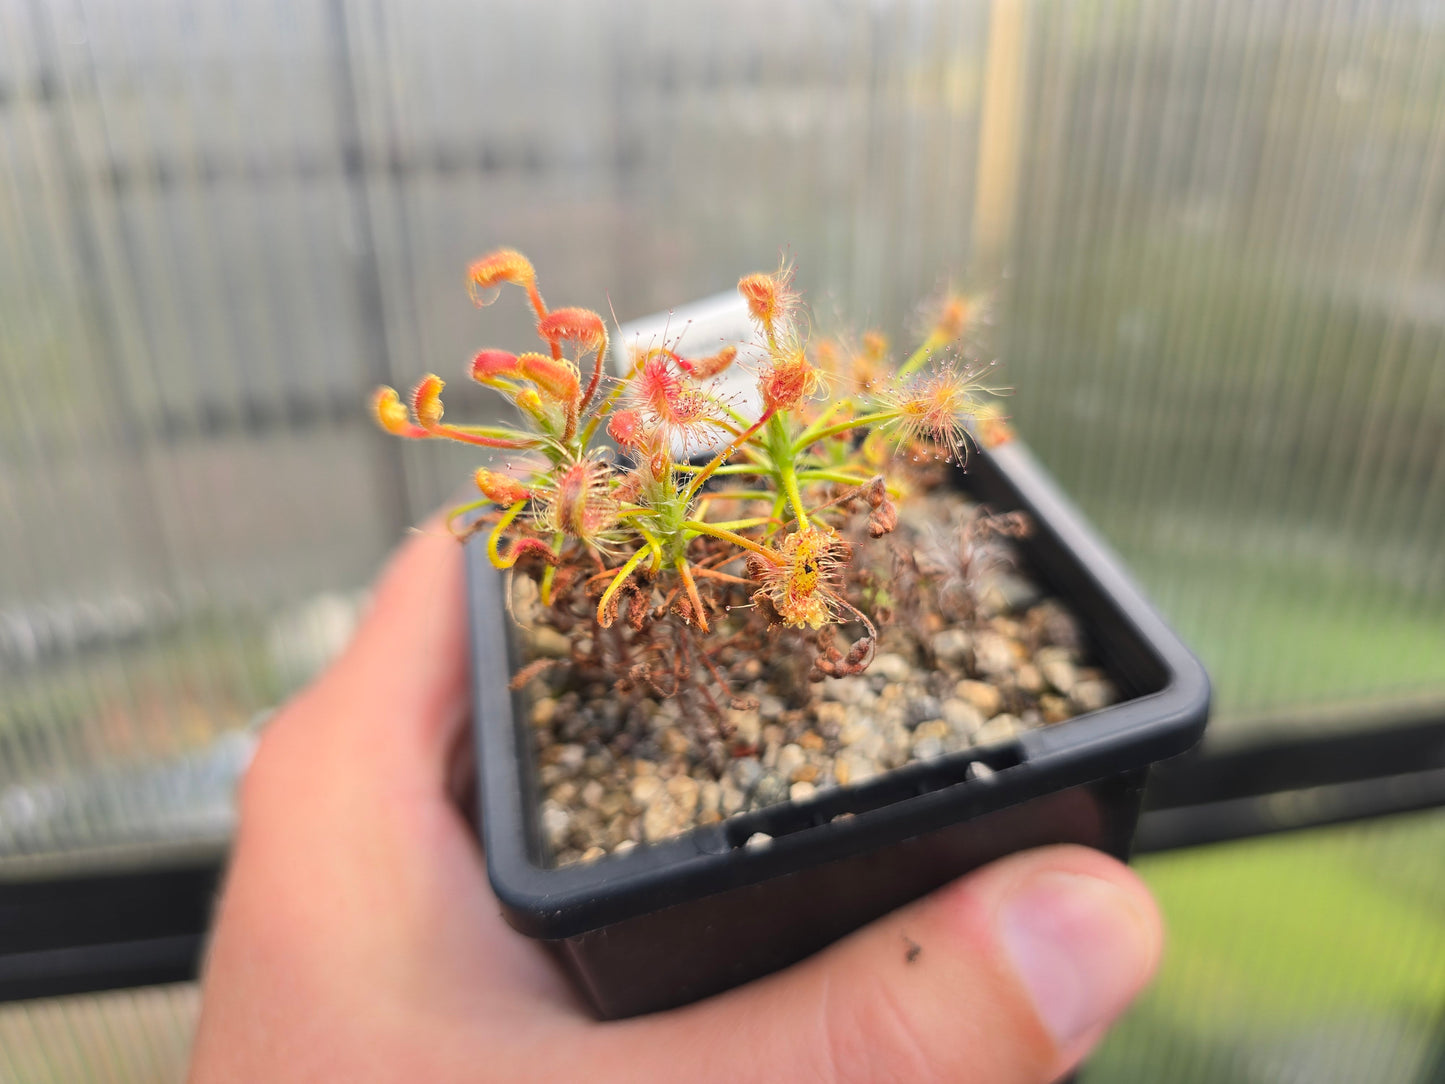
(357, 938)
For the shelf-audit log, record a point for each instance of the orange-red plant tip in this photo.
(580, 326)
(787, 381)
(500, 488)
(426, 401)
(953, 317)
(626, 428)
(486, 275)
(761, 293)
(490, 364)
(557, 379)
(769, 295)
(708, 367)
(390, 414)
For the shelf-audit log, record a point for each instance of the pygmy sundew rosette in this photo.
(652, 538)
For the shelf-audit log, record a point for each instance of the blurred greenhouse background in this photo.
(1216, 231)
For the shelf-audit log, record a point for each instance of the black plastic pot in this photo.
(668, 923)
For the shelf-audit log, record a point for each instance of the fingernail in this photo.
(1081, 947)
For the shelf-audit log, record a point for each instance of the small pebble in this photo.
(732, 800)
(951, 646)
(979, 770)
(1054, 709)
(851, 769)
(1060, 673)
(709, 800)
(543, 712)
(747, 727)
(771, 789)
(790, 759)
(985, 697)
(1029, 679)
(934, 728)
(571, 758)
(962, 717)
(556, 824)
(891, 667)
(646, 788)
(992, 654)
(663, 818)
(922, 708)
(675, 741)
(745, 772)
(684, 791)
(1000, 728)
(847, 690)
(812, 741)
(758, 839)
(1093, 695)
(801, 791)
(927, 748)
(548, 643)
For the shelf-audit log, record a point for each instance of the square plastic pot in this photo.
(672, 922)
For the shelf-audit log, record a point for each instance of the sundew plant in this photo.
(633, 531)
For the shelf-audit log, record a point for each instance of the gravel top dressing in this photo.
(970, 654)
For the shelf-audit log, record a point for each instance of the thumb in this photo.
(1007, 976)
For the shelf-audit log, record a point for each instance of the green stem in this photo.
(494, 541)
(783, 455)
(739, 495)
(832, 476)
(722, 456)
(795, 496)
(463, 509)
(808, 435)
(728, 536)
(843, 427)
(653, 544)
(741, 524)
(726, 469)
(549, 574)
(922, 354)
